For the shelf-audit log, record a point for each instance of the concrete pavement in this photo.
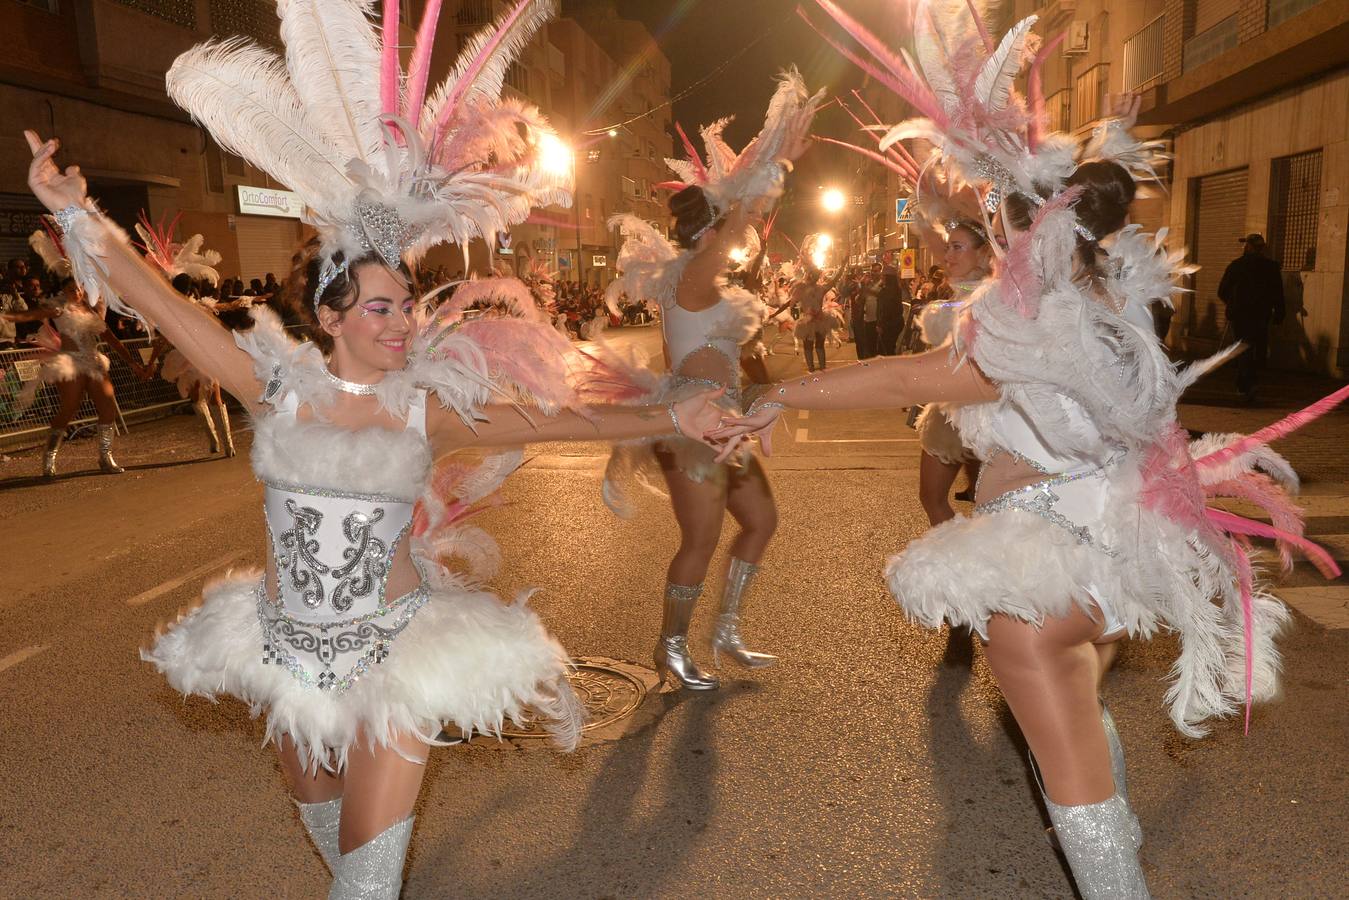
(863, 765)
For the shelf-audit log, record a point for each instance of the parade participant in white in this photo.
(358, 651)
(1090, 522)
(704, 321)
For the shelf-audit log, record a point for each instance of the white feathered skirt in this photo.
(465, 661)
(938, 437)
(1146, 571)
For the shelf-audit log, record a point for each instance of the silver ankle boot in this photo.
(374, 870)
(322, 820)
(225, 430)
(673, 660)
(1116, 753)
(55, 437)
(204, 410)
(726, 638)
(106, 463)
(1101, 841)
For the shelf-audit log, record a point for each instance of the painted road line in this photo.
(19, 656)
(802, 415)
(1328, 606)
(175, 583)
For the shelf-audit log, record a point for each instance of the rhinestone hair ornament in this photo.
(382, 160)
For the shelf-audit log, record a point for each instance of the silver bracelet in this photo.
(761, 404)
(66, 217)
(669, 407)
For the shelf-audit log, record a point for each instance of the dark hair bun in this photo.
(692, 213)
(1107, 191)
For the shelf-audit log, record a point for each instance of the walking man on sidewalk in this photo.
(1252, 290)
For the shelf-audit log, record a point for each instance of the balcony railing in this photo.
(1089, 94)
(1211, 44)
(474, 12)
(1281, 10)
(1143, 56)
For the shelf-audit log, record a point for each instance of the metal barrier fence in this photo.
(135, 398)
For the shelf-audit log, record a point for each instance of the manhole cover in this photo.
(609, 689)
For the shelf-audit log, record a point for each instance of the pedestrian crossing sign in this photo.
(904, 208)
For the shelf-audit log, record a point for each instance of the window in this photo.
(474, 12)
(517, 76)
(590, 208)
(1294, 209)
(650, 150)
(215, 180)
(1143, 55)
(1058, 107)
(1210, 43)
(630, 187)
(178, 12)
(1089, 95)
(594, 155)
(1282, 10)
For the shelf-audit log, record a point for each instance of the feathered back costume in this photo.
(1088, 397)
(174, 258)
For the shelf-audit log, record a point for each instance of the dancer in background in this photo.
(70, 357)
(185, 264)
(704, 321)
(358, 651)
(1091, 521)
(815, 324)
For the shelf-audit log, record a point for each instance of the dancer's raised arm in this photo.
(193, 330)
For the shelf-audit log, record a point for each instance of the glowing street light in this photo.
(739, 255)
(820, 254)
(613, 132)
(555, 157)
(833, 200)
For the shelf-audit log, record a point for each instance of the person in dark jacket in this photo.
(1252, 290)
(890, 311)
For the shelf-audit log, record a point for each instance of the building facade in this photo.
(1251, 96)
(92, 73)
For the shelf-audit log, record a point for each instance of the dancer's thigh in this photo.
(380, 787)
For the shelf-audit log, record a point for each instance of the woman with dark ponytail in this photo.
(704, 320)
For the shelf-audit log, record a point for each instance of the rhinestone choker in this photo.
(350, 387)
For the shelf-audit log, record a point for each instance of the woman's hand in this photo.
(1125, 107)
(53, 188)
(758, 424)
(699, 414)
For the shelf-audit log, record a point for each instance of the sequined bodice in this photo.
(81, 325)
(333, 550)
(688, 332)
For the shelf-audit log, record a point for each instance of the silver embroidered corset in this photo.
(334, 550)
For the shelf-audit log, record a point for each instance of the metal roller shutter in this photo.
(265, 245)
(1218, 219)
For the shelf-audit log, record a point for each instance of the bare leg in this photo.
(749, 500)
(380, 787)
(756, 370)
(307, 786)
(699, 508)
(104, 399)
(935, 479)
(70, 394)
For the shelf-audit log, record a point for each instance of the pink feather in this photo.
(987, 38)
(692, 154)
(893, 152)
(419, 67)
(474, 68)
(874, 156)
(1034, 87)
(389, 66)
(1271, 433)
(876, 119)
(1245, 581)
(1235, 524)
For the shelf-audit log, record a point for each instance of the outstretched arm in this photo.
(195, 332)
(886, 383)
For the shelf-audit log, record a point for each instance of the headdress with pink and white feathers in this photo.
(174, 258)
(381, 164)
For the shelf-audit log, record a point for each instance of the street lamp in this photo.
(821, 252)
(833, 201)
(555, 157)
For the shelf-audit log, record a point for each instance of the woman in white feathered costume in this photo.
(704, 321)
(1090, 521)
(357, 649)
(183, 264)
(71, 359)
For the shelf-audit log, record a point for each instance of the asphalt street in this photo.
(873, 761)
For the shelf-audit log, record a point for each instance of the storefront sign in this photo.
(256, 201)
(599, 260)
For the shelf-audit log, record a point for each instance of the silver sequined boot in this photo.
(1116, 753)
(106, 463)
(374, 870)
(55, 437)
(225, 431)
(726, 639)
(673, 660)
(203, 409)
(321, 820)
(1101, 841)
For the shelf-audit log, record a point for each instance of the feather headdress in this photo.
(47, 245)
(753, 174)
(174, 258)
(381, 167)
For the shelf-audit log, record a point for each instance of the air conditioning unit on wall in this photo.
(1077, 41)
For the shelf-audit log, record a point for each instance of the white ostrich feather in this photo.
(52, 257)
(333, 61)
(993, 87)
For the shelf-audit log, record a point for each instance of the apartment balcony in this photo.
(1262, 47)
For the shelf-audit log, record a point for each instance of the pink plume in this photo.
(670, 186)
(692, 154)
(1279, 429)
(874, 156)
(1245, 581)
(898, 79)
(987, 38)
(876, 119)
(1035, 88)
(419, 67)
(1235, 524)
(389, 66)
(892, 153)
(474, 68)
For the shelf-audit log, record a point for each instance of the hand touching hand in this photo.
(758, 424)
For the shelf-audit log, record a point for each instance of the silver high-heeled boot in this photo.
(225, 430)
(204, 410)
(1101, 841)
(322, 821)
(374, 870)
(55, 437)
(106, 463)
(673, 659)
(726, 638)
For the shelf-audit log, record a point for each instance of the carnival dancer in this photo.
(1091, 521)
(703, 322)
(815, 324)
(70, 357)
(185, 264)
(359, 651)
